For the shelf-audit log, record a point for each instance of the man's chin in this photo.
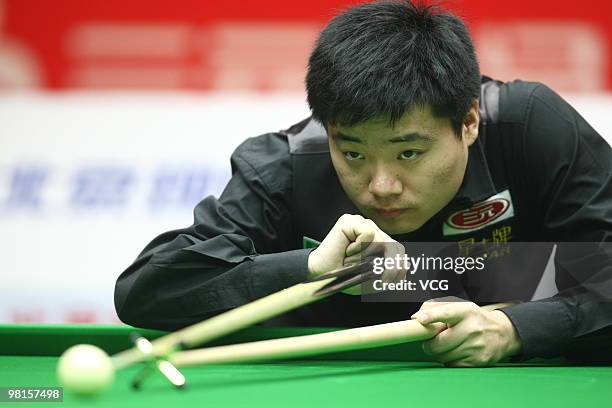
(397, 227)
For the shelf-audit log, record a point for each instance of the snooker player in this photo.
(405, 135)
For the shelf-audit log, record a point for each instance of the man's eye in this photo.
(408, 155)
(353, 156)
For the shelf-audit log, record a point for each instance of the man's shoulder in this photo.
(262, 149)
(268, 156)
(305, 137)
(515, 101)
(510, 102)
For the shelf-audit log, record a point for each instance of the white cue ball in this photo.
(85, 370)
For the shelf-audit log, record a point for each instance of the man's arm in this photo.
(238, 249)
(569, 169)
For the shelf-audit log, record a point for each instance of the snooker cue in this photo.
(310, 345)
(228, 322)
(303, 346)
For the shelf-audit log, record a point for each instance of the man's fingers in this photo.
(449, 313)
(431, 303)
(361, 232)
(461, 363)
(445, 341)
(452, 356)
(359, 229)
(353, 260)
(375, 250)
(393, 248)
(361, 243)
(393, 275)
(364, 250)
(353, 250)
(366, 240)
(455, 354)
(437, 302)
(468, 359)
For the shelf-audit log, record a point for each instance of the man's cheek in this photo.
(355, 186)
(440, 174)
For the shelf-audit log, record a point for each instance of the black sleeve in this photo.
(237, 250)
(569, 168)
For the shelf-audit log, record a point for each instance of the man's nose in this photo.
(385, 184)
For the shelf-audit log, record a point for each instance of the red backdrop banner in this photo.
(264, 45)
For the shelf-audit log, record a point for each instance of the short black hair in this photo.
(381, 59)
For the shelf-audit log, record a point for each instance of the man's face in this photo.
(401, 176)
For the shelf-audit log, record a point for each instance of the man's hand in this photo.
(474, 337)
(351, 240)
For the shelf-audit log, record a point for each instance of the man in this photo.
(405, 140)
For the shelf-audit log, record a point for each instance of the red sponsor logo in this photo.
(479, 214)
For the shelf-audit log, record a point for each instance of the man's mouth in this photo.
(390, 212)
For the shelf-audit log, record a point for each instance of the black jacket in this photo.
(533, 149)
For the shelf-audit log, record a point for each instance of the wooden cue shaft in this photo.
(233, 320)
(304, 346)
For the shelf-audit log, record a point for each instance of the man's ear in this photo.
(470, 124)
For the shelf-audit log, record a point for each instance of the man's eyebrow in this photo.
(409, 137)
(412, 137)
(347, 138)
